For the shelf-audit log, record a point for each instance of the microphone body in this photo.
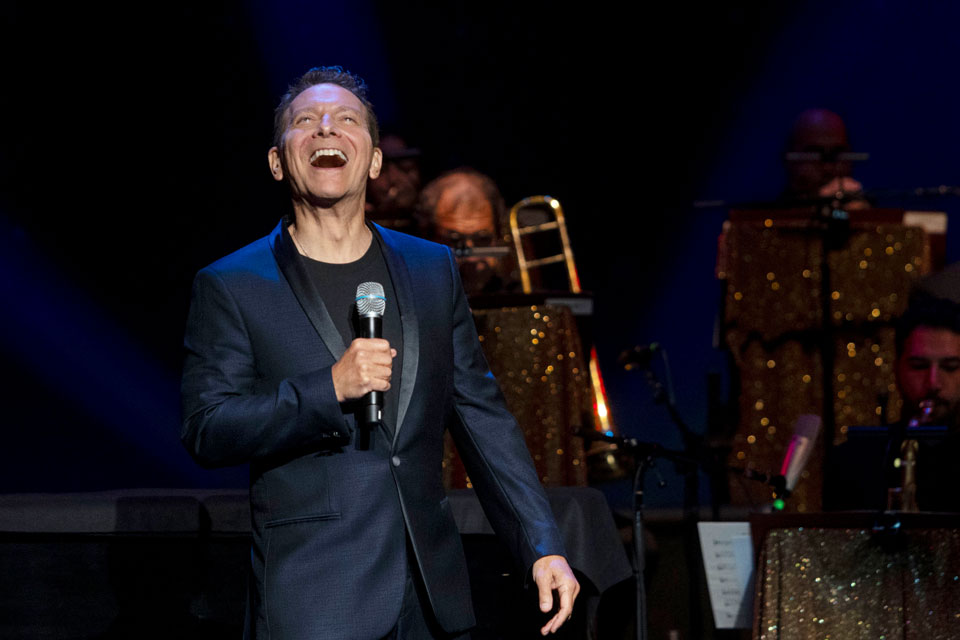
(799, 450)
(371, 404)
(371, 304)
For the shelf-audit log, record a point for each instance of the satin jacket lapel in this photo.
(408, 318)
(291, 264)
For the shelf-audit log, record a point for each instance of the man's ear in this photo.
(376, 163)
(276, 167)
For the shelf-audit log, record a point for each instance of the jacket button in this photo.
(395, 460)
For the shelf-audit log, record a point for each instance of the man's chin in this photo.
(945, 415)
(323, 202)
(951, 419)
(320, 200)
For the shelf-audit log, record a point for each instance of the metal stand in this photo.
(644, 455)
(643, 463)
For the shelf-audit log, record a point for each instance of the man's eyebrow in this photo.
(296, 112)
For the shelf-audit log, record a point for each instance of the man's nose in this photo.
(325, 125)
(933, 379)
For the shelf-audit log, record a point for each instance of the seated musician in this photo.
(464, 209)
(928, 377)
(814, 161)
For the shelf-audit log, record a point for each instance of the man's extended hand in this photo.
(553, 573)
(366, 366)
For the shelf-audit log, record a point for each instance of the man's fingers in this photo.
(548, 628)
(377, 358)
(371, 350)
(563, 614)
(554, 624)
(366, 366)
(377, 384)
(566, 606)
(375, 371)
(544, 584)
(373, 343)
(553, 573)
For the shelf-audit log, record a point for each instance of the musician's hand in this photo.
(553, 573)
(366, 366)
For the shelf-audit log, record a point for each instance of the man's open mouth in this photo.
(328, 158)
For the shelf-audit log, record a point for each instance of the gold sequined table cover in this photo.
(535, 354)
(772, 316)
(851, 583)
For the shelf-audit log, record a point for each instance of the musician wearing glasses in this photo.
(464, 210)
(818, 161)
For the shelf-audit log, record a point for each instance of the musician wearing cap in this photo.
(352, 534)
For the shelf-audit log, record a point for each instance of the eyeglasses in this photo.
(461, 240)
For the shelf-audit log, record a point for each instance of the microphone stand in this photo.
(642, 464)
(644, 455)
(688, 465)
(689, 462)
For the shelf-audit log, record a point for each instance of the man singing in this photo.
(354, 542)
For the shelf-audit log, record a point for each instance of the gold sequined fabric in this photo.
(772, 319)
(535, 354)
(844, 584)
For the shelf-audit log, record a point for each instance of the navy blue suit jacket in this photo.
(330, 522)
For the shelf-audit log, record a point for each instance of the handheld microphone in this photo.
(371, 303)
(798, 452)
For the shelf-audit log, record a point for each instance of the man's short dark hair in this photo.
(325, 75)
(926, 310)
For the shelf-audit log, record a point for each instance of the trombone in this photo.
(541, 214)
(546, 214)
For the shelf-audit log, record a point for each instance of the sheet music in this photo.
(727, 551)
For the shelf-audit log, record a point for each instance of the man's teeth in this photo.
(332, 153)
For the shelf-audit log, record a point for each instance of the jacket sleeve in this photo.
(493, 448)
(229, 415)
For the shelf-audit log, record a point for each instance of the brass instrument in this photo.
(539, 214)
(904, 497)
(908, 467)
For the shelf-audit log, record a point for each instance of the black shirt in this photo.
(337, 286)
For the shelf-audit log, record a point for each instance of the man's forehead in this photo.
(819, 127)
(328, 95)
(932, 342)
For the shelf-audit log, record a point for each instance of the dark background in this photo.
(134, 153)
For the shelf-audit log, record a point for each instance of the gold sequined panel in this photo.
(772, 319)
(842, 583)
(535, 354)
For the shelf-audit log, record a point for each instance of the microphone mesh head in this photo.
(370, 300)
